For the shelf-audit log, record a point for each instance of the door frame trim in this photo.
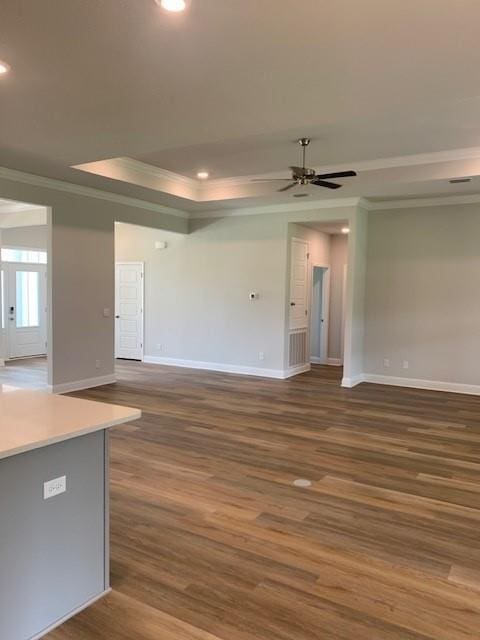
(323, 359)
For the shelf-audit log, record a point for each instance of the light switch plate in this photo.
(54, 487)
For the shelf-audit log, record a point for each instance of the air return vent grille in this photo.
(297, 348)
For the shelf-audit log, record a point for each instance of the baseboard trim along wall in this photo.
(294, 371)
(280, 374)
(78, 385)
(71, 614)
(418, 383)
(335, 362)
(348, 383)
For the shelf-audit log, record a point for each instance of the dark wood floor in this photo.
(210, 540)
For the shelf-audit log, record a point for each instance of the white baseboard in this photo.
(294, 371)
(418, 383)
(76, 611)
(335, 362)
(352, 382)
(279, 374)
(78, 385)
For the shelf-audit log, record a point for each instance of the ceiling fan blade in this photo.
(324, 183)
(289, 186)
(338, 174)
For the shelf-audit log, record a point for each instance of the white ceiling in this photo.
(332, 228)
(229, 85)
(12, 206)
(21, 214)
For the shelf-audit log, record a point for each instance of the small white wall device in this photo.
(54, 487)
(159, 245)
(254, 296)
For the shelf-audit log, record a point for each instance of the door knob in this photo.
(292, 304)
(117, 316)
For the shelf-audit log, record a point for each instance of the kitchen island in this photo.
(54, 529)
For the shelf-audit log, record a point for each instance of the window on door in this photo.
(2, 296)
(28, 299)
(31, 256)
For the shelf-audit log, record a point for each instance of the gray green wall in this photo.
(81, 273)
(422, 293)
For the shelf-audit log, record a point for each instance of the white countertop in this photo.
(33, 419)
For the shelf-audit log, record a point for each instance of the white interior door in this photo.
(129, 310)
(299, 284)
(26, 309)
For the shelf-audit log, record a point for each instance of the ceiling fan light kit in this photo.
(305, 176)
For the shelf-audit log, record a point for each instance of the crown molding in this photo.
(156, 172)
(415, 203)
(199, 190)
(412, 160)
(311, 205)
(91, 192)
(133, 171)
(332, 203)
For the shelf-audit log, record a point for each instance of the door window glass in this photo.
(28, 299)
(2, 297)
(24, 255)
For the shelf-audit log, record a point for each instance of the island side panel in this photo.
(52, 552)
(106, 510)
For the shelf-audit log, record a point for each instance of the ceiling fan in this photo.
(303, 175)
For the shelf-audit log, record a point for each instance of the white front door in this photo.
(299, 284)
(25, 309)
(129, 310)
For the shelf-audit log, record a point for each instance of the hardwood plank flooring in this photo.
(210, 540)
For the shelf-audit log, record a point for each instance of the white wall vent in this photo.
(297, 351)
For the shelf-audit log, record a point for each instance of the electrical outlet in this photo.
(261, 355)
(98, 364)
(405, 364)
(386, 362)
(54, 487)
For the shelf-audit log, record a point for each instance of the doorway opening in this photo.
(320, 299)
(316, 317)
(23, 295)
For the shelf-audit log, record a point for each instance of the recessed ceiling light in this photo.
(4, 68)
(172, 5)
(203, 175)
(345, 230)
